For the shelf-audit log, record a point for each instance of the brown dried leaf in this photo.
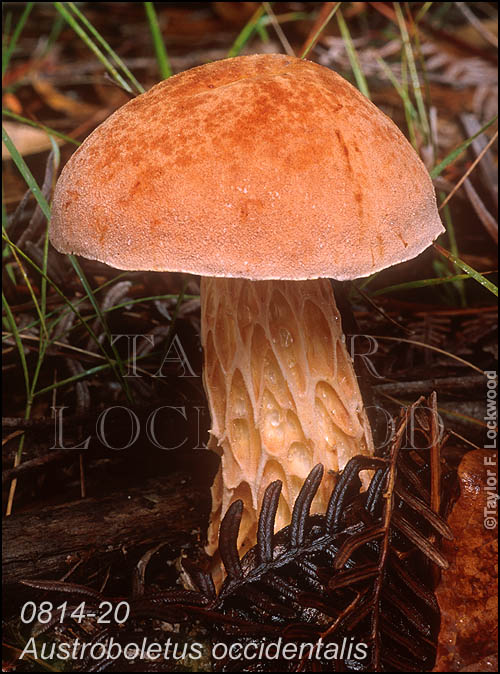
(27, 139)
(488, 664)
(60, 102)
(468, 592)
(236, 13)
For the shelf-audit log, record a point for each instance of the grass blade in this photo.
(93, 47)
(410, 120)
(26, 174)
(127, 303)
(410, 113)
(470, 169)
(415, 31)
(449, 159)
(7, 52)
(412, 67)
(452, 238)
(316, 35)
(32, 184)
(352, 55)
(41, 316)
(37, 125)
(15, 333)
(119, 371)
(106, 46)
(68, 302)
(77, 377)
(247, 32)
(278, 29)
(477, 276)
(422, 283)
(423, 11)
(56, 159)
(431, 347)
(159, 45)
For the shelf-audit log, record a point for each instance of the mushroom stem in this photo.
(282, 392)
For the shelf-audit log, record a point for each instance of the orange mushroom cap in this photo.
(262, 167)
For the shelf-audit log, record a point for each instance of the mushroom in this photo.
(267, 175)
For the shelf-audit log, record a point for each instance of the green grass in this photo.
(26, 174)
(359, 76)
(473, 273)
(310, 45)
(251, 27)
(159, 45)
(10, 320)
(422, 283)
(42, 127)
(9, 45)
(70, 12)
(453, 156)
(413, 71)
(453, 243)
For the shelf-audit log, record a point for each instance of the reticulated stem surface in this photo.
(282, 393)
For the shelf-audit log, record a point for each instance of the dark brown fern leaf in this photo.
(349, 590)
(431, 328)
(357, 578)
(478, 332)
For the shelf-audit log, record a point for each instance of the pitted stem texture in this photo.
(282, 393)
